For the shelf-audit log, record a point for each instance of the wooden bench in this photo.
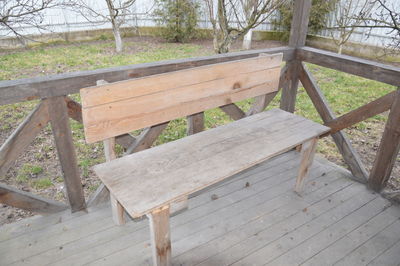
(157, 181)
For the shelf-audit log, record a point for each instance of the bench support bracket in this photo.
(160, 236)
(307, 152)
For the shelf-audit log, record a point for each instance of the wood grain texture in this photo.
(388, 148)
(299, 25)
(160, 236)
(146, 104)
(146, 138)
(156, 177)
(307, 153)
(28, 201)
(350, 156)
(23, 136)
(66, 152)
(352, 65)
(75, 112)
(195, 123)
(119, 91)
(233, 111)
(366, 111)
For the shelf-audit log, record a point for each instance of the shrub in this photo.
(318, 15)
(178, 18)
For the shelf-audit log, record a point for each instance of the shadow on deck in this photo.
(254, 218)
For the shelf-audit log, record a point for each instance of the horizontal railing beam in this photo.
(14, 91)
(27, 201)
(350, 64)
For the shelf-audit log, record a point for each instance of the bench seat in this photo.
(148, 180)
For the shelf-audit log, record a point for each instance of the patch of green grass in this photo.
(343, 92)
(42, 183)
(27, 171)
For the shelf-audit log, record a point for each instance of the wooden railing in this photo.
(55, 107)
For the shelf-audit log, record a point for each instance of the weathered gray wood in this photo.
(307, 157)
(66, 152)
(22, 137)
(164, 169)
(28, 201)
(69, 83)
(388, 148)
(297, 38)
(366, 111)
(160, 236)
(261, 102)
(116, 208)
(390, 257)
(299, 25)
(233, 111)
(346, 245)
(146, 138)
(195, 123)
(350, 156)
(352, 65)
(241, 221)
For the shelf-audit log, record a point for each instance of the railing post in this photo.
(388, 148)
(59, 120)
(297, 38)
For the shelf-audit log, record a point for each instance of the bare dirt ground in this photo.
(47, 181)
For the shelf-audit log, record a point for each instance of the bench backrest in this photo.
(117, 108)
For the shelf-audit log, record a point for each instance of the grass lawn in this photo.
(38, 170)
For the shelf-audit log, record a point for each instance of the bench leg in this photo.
(117, 211)
(307, 152)
(160, 236)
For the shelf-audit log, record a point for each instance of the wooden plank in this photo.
(114, 119)
(307, 157)
(195, 123)
(28, 201)
(299, 25)
(75, 112)
(22, 137)
(170, 163)
(388, 148)
(66, 152)
(338, 228)
(146, 138)
(352, 65)
(123, 90)
(233, 111)
(261, 102)
(116, 209)
(105, 243)
(374, 247)
(289, 89)
(69, 83)
(310, 219)
(350, 156)
(160, 236)
(390, 257)
(297, 38)
(354, 239)
(366, 111)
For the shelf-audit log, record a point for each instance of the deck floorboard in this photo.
(253, 218)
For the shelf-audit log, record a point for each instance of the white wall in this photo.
(64, 20)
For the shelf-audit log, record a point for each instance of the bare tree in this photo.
(386, 15)
(16, 14)
(230, 22)
(248, 6)
(117, 12)
(347, 18)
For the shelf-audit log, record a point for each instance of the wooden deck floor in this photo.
(254, 218)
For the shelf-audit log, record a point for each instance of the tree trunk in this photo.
(340, 48)
(247, 40)
(118, 40)
(222, 46)
(115, 26)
